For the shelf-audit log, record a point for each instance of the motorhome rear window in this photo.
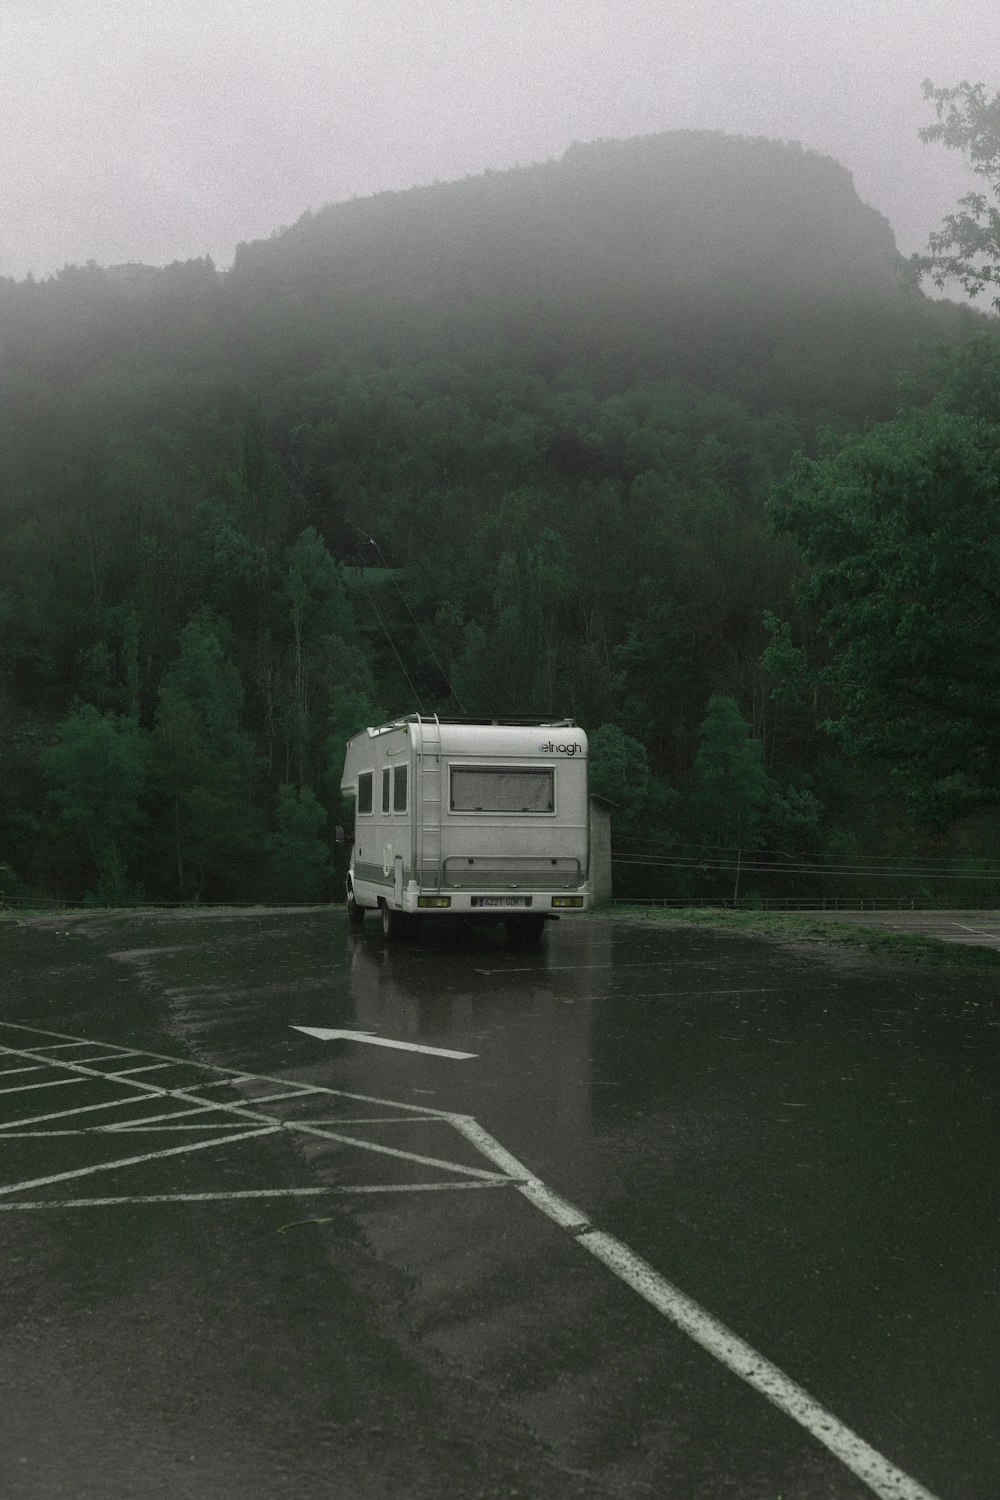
(399, 789)
(365, 792)
(513, 790)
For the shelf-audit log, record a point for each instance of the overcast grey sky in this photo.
(156, 130)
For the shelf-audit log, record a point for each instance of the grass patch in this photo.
(800, 927)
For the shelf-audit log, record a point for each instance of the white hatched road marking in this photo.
(880, 1476)
(127, 1072)
(132, 1161)
(52, 1083)
(294, 1192)
(53, 1046)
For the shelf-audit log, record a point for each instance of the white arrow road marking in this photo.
(326, 1035)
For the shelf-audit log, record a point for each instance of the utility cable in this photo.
(392, 643)
(371, 540)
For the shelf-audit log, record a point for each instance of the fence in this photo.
(646, 871)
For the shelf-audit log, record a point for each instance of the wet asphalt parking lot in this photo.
(699, 1216)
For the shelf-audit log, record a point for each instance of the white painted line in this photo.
(271, 1124)
(130, 1129)
(49, 1046)
(384, 1120)
(127, 1072)
(300, 1093)
(565, 1214)
(35, 1068)
(202, 1107)
(326, 1034)
(92, 1130)
(124, 1052)
(348, 1140)
(875, 1471)
(235, 1075)
(220, 1083)
(302, 1192)
(64, 1114)
(122, 1127)
(52, 1083)
(881, 1476)
(131, 1161)
(210, 1107)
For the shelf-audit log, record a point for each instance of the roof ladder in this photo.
(430, 778)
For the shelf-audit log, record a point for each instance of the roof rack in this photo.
(525, 721)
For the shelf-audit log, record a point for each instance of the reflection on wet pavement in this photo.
(802, 1141)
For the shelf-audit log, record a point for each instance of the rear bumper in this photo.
(489, 905)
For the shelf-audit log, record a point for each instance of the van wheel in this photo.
(355, 913)
(394, 924)
(524, 932)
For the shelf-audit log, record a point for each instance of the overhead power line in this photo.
(756, 866)
(433, 655)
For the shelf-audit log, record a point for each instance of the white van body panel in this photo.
(488, 818)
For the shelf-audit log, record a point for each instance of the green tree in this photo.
(96, 771)
(619, 771)
(206, 676)
(297, 852)
(318, 613)
(967, 247)
(511, 663)
(351, 710)
(203, 768)
(731, 784)
(901, 529)
(210, 832)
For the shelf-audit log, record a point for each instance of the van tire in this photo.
(395, 925)
(355, 913)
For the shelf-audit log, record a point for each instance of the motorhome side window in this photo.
(365, 803)
(399, 789)
(510, 790)
(386, 777)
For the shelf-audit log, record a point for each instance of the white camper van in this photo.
(481, 818)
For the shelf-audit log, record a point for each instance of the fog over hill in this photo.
(559, 398)
(683, 205)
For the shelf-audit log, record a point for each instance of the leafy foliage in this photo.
(901, 529)
(297, 851)
(731, 784)
(967, 248)
(96, 771)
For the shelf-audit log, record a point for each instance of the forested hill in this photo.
(654, 213)
(557, 399)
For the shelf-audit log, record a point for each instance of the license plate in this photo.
(501, 900)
